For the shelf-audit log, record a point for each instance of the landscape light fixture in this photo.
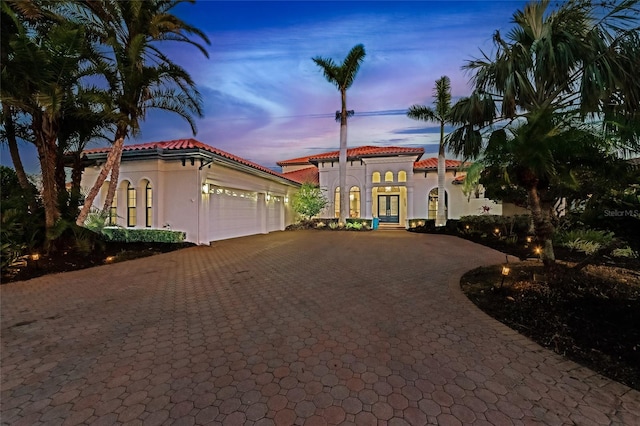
(505, 270)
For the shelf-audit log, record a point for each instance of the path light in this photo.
(110, 259)
(505, 270)
(529, 239)
(35, 257)
(466, 227)
(496, 231)
(538, 251)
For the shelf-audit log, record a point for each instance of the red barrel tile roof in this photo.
(432, 163)
(357, 152)
(189, 144)
(306, 175)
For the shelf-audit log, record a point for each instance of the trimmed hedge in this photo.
(142, 235)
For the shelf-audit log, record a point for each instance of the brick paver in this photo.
(308, 327)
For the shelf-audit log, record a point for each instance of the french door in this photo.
(389, 208)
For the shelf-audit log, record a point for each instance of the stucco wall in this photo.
(178, 200)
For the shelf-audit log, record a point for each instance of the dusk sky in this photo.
(266, 100)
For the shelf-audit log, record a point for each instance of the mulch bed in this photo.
(69, 259)
(589, 316)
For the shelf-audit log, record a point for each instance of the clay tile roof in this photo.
(179, 144)
(306, 175)
(294, 161)
(353, 153)
(432, 163)
(459, 180)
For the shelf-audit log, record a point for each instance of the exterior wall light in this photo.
(205, 188)
(286, 199)
(268, 197)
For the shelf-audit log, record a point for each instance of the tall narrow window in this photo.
(131, 205)
(354, 202)
(113, 211)
(148, 204)
(336, 202)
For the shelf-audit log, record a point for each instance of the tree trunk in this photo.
(441, 216)
(45, 137)
(342, 161)
(112, 157)
(113, 185)
(76, 178)
(10, 131)
(543, 229)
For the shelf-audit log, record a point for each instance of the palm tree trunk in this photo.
(441, 217)
(76, 178)
(113, 185)
(10, 131)
(45, 138)
(114, 155)
(342, 161)
(543, 229)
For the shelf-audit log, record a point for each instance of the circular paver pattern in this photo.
(302, 327)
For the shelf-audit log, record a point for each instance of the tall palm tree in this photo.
(342, 76)
(555, 70)
(140, 75)
(442, 115)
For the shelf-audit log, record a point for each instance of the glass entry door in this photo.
(389, 208)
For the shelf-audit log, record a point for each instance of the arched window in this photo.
(402, 176)
(336, 202)
(148, 201)
(131, 205)
(375, 178)
(433, 204)
(354, 202)
(388, 177)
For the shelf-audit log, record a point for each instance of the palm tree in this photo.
(342, 76)
(555, 70)
(442, 115)
(140, 75)
(46, 57)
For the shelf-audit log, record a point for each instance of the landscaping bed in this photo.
(69, 259)
(590, 316)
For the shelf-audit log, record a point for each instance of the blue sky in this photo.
(265, 99)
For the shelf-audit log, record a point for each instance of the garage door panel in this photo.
(233, 215)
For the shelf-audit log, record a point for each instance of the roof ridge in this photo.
(176, 144)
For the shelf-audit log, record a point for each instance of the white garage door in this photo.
(233, 213)
(275, 214)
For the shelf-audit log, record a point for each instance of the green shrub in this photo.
(354, 225)
(360, 221)
(587, 247)
(487, 224)
(131, 235)
(308, 201)
(627, 252)
(589, 235)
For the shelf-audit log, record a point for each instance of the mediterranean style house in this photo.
(190, 186)
(391, 183)
(212, 195)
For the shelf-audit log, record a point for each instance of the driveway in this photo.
(307, 327)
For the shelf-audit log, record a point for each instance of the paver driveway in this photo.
(294, 327)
